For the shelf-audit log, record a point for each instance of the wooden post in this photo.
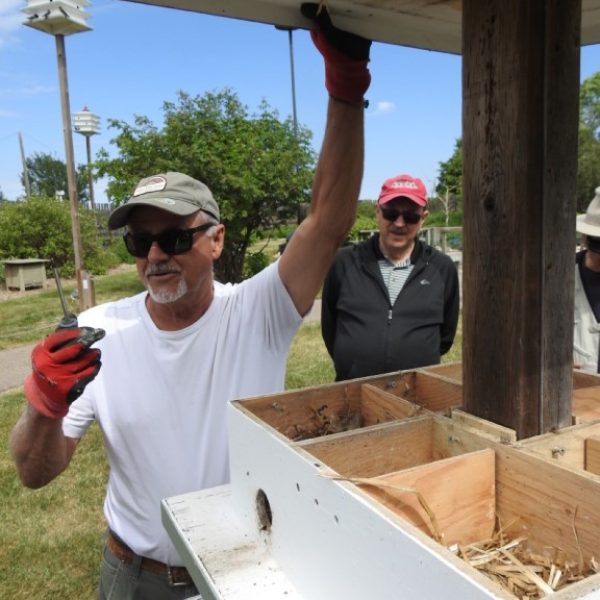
(520, 122)
(70, 159)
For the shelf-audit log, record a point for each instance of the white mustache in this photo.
(159, 270)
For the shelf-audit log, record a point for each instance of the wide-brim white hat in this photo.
(589, 223)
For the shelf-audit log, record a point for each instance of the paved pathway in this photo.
(15, 364)
(314, 316)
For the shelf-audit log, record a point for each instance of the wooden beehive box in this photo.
(375, 487)
(22, 274)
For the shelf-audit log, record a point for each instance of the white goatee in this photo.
(164, 296)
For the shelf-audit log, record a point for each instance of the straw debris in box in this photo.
(522, 572)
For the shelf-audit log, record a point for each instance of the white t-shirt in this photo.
(160, 397)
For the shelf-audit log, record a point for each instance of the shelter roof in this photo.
(425, 24)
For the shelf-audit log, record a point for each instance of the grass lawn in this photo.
(31, 317)
(50, 539)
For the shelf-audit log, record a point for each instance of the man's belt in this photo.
(177, 576)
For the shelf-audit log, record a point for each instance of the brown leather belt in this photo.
(177, 576)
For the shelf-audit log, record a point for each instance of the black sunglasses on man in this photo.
(410, 217)
(172, 241)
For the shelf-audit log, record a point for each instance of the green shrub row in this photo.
(40, 227)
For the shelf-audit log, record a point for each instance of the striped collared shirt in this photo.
(395, 275)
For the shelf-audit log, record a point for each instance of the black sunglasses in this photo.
(172, 241)
(391, 214)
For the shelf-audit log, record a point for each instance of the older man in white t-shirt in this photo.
(175, 355)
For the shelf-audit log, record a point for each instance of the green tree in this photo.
(588, 155)
(47, 175)
(588, 168)
(40, 227)
(365, 219)
(449, 188)
(258, 169)
(589, 104)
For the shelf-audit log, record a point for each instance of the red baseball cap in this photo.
(403, 186)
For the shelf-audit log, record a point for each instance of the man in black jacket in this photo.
(391, 302)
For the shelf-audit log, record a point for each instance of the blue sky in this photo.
(138, 56)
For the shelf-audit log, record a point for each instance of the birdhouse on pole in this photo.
(86, 122)
(57, 17)
(60, 18)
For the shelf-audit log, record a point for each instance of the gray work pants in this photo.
(126, 581)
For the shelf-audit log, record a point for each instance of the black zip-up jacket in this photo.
(365, 335)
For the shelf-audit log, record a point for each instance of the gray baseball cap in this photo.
(174, 192)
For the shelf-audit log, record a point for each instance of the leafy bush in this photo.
(255, 262)
(282, 231)
(41, 228)
(362, 224)
(438, 219)
(102, 261)
(365, 219)
(117, 248)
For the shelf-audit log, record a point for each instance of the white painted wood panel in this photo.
(218, 552)
(328, 539)
(328, 536)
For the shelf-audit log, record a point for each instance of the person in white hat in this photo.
(586, 331)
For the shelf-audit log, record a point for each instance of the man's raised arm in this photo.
(338, 177)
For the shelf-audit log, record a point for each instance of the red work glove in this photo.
(346, 55)
(63, 364)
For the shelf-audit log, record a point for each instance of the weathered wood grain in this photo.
(520, 118)
(459, 491)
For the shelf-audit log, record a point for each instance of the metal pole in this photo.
(71, 177)
(25, 171)
(293, 82)
(88, 148)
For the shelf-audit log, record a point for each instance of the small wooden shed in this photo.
(24, 273)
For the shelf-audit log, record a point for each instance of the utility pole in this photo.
(71, 177)
(88, 152)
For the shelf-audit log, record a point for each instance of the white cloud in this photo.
(8, 114)
(383, 107)
(29, 90)
(11, 19)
